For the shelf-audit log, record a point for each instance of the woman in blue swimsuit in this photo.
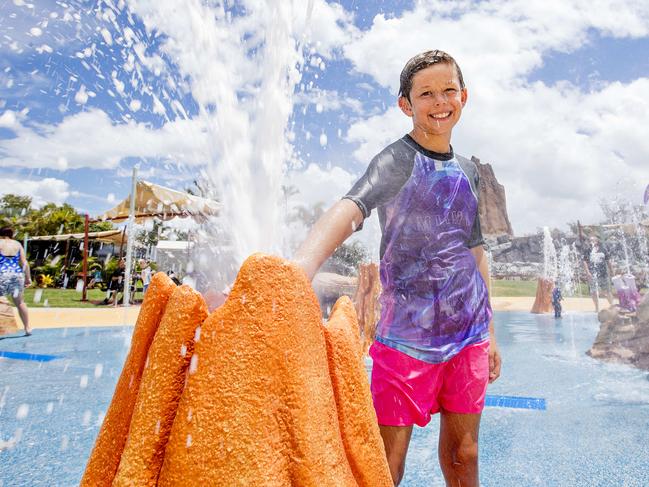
(14, 274)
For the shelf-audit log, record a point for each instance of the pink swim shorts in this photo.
(407, 391)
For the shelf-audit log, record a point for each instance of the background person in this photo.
(14, 274)
(116, 283)
(145, 274)
(597, 266)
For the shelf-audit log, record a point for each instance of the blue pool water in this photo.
(593, 431)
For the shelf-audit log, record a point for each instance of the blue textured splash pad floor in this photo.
(555, 418)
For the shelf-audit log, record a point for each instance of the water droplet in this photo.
(197, 335)
(99, 369)
(83, 382)
(85, 420)
(323, 139)
(183, 350)
(82, 96)
(189, 441)
(23, 411)
(49, 408)
(108, 39)
(193, 363)
(65, 441)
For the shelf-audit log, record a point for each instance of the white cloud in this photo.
(557, 149)
(375, 132)
(8, 120)
(492, 40)
(42, 191)
(90, 139)
(328, 28)
(318, 185)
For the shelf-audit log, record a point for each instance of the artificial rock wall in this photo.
(260, 392)
(492, 202)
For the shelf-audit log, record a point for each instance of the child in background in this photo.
(556, 299)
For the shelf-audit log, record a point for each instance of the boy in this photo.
(435, 348)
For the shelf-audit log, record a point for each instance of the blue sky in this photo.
(558, 95)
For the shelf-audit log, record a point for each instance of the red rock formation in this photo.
(366, 301)
(492, 202)
(7, 319)
(543, 301)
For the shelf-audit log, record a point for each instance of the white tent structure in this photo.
(149, 200)
(108, 236)
(155, 201)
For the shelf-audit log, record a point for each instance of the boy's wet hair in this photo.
(423, 61)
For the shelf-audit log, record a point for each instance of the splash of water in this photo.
(566, 270)
(549, 256)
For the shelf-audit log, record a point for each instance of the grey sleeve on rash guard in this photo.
(384, 177)
(471, 170)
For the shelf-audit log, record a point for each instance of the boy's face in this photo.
(436, 100)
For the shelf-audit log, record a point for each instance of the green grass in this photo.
(67, 298)
(509, 289)
(501, 288)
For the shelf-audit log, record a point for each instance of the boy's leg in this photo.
(404, 391)
(396, 440)
(458, 449)
(465, 385)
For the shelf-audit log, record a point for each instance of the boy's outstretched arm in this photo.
(331, 230)
(494, 353)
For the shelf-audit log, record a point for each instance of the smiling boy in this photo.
(435, 348)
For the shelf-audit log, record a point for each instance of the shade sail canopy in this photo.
(109, 236)
(155, 201)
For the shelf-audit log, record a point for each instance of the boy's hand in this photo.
(494, 359)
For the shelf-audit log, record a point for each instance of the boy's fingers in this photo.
(494, 366)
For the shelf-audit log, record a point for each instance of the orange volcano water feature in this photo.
(259, 393)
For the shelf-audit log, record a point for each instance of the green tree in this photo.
(15, 212)
(101, 226)
(53, 219)
(149, 238)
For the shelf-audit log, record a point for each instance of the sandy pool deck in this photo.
(120, 316)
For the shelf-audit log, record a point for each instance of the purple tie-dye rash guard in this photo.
(434, 301)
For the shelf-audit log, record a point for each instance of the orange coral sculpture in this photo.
(107, 452)
(272, 396)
